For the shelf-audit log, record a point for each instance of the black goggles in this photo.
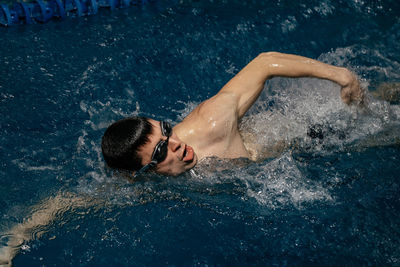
(161, 150)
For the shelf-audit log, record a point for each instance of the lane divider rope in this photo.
(40, 11)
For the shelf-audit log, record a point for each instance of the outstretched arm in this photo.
(36, 224)
(247, 85)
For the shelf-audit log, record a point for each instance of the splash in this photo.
(273, 184)
(280, 183)
(308, 115)
(291, 116)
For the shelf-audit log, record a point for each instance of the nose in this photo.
(174, 144)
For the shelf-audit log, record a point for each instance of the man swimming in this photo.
(138, 144)
(211, 129)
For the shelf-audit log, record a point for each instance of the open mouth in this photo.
(188, 154)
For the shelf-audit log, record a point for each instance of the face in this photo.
(180, 156)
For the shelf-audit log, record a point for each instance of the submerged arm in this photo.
(247, 85)
(38, 222)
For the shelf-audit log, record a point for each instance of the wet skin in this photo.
(211, 128)
(180, 157)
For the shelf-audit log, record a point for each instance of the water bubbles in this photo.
(188, 107)
(325, 8)
(231, 69)
(308, 115)
(289, 24)
(25, 248)
(273, 184)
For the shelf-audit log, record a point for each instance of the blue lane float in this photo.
(40, 11)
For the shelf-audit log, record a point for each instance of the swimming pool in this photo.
(329, 201)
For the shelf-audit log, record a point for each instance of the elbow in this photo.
(267, 61)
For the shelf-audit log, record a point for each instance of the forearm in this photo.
(286, 65)
(37, 223)
(247, 85)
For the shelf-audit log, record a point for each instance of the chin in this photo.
(179, 170)
(192, 164)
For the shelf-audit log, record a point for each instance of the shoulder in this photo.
(222, 104)
(213, 119)
(219, 110)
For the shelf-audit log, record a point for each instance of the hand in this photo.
(351, 91)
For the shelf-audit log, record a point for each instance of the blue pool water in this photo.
(330, 201)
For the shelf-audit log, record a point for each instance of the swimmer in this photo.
(211, 129)
(140, 144)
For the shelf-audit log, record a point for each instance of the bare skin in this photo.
(211, 129)
(34, 226)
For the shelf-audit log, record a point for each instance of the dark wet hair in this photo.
(122, 140)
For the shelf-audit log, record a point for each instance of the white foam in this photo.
(280, 182)
(25, 166)
(282, 115)
(43, 168)
(287, 108)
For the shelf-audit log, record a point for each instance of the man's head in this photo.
(135, 142)
(122, 140)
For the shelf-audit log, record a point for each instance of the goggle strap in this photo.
(145, 168)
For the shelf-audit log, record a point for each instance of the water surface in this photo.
(329, 201)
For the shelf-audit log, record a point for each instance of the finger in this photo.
(345, 95)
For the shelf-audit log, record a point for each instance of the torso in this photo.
(212, 130)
